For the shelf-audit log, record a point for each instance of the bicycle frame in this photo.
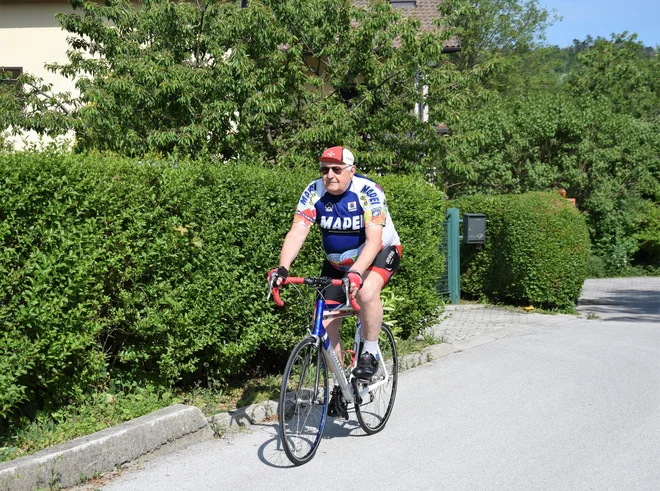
(331, 358)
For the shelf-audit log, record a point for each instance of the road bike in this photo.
(303, 403)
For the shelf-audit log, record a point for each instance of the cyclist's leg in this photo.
(374, 280)
(332, 328)
(334, 296)
(376, 405)
(371, 307)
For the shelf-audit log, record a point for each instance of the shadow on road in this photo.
(624, 305)
(272, 454)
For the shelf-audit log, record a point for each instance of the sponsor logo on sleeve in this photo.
(371, 194)
(309, 193)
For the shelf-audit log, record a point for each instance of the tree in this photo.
(496, 28)
(620, 72)
(277, 81)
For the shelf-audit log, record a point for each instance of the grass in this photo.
(101, 411)
(535, 310)
(424, 340)
(104, 410)
(216, 398)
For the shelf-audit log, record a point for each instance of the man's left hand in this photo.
(355, 279)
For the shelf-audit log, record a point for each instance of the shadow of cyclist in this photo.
(272, 454)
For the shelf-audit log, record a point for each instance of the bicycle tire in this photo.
(303, 405)
(376, 407)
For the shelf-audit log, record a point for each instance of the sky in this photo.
(602, 18)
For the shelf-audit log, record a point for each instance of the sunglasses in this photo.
(334, 168)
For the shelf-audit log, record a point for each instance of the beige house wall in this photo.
(31, 37)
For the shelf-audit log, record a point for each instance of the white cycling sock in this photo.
(371, 347)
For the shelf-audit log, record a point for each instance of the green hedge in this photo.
(416, 211)
(536, 251)
(118, 271)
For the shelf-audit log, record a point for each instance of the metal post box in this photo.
(474, 228)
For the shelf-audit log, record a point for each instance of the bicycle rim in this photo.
(376, 406)
(303, 401)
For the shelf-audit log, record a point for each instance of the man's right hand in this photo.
(280, 274)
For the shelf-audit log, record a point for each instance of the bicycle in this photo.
(303, 403)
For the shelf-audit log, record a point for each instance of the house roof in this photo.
(426, 11)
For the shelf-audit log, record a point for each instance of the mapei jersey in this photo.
(344, 218)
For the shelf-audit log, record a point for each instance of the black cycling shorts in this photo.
(385, 264)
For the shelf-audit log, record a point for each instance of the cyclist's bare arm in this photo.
(293, 243)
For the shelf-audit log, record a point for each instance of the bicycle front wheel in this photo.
(377, 404)
(303, 401)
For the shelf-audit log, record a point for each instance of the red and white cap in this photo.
(338, 155)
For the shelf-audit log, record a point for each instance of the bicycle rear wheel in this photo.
(303, 401)
(376, 406)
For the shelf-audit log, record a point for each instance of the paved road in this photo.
(530, 402)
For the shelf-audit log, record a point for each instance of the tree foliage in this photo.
(593, 130)
(279, 80)
(492, 28)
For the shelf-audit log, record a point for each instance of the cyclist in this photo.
(359, 241)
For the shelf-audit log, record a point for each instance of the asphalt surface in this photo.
(524, 401)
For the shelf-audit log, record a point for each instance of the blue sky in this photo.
(601, 18)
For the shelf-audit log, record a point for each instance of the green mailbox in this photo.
(474, 228)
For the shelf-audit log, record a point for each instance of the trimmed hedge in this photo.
(116, 271)
(536, 251)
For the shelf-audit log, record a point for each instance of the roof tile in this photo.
(426, 11)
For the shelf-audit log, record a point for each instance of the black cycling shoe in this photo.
(367, 366)
(337, 407)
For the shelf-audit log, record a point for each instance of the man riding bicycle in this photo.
(359, 241)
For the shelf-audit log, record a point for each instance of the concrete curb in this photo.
(158, 433)
(242, 418)
(72, 462)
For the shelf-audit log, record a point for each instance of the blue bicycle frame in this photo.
(331, 358)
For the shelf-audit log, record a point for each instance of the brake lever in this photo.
(273, 279)
(347, 290)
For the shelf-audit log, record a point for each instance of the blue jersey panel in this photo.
(341, 219)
